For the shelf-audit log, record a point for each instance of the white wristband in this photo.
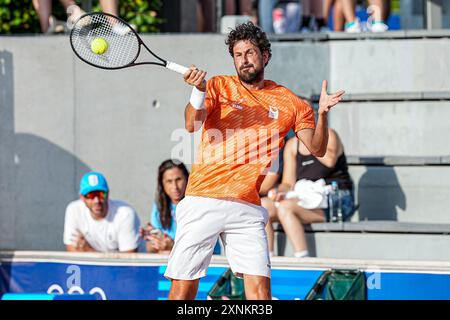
(197, 99)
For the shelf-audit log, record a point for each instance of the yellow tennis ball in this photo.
(99, 46)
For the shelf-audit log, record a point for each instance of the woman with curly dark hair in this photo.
(244, 119)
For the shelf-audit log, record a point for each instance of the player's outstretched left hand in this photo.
(327, 101)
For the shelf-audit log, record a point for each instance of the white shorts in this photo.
(200, 222)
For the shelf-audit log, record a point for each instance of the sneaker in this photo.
(73, 13)
(305, 30)
(55, 26)
(301, 254)
(353, 27)
(377, 26)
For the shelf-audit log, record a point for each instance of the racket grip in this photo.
(176, 67)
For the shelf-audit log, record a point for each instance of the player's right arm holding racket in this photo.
(195, 112)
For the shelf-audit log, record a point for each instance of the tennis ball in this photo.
(99, 46)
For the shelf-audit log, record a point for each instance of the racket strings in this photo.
(123, 44)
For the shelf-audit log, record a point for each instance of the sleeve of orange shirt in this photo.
(304, 116)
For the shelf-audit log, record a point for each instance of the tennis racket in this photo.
(123, 43)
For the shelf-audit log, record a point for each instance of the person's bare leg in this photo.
(73, 11)
(338, 17)
(376, 7)
(230, 8)
(257, 287)
(200, 22)
(349, 7)
(292, 217)
(306, 7)
(270, 207)
(110, 6)
(292, 226)
(246, 7)
(67, 3)
(317, 12)
(317, 9)
(183, 289)
(208, 15)
(44, 10)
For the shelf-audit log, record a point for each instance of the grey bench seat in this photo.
(380, 227)
(398, 160)
(385, 240)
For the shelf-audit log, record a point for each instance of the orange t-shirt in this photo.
(243, 132)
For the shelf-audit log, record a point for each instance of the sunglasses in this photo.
(100, 194)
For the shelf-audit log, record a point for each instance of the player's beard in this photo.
(252, 77)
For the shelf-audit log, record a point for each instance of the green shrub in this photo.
(141, 13)
(20, 16)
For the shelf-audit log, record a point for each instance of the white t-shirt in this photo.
(118, 231)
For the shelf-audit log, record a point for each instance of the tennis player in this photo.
(245, 119)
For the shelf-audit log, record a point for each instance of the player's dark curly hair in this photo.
(248, 31)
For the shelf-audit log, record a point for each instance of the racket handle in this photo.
(176, 67)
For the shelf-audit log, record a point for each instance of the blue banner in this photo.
(144, 282)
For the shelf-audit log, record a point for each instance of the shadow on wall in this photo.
(37, 179)
(380, 194)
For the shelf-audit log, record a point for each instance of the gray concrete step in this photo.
(383, 240)
(415, 193)
(393, 128)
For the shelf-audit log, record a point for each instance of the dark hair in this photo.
(248, 31)
(162, 199)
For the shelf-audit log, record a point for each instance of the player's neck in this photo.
(253, 86)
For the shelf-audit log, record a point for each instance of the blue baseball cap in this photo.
(93, 181)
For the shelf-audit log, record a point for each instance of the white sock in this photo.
(271, 253)
(301, 254)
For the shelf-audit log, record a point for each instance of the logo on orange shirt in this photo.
(273, 112)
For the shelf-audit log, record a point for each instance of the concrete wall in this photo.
(60, 118)
(390, 66)
(402, 193)
(377, 246)
(399, 128)
(301, 66)
(411, 14)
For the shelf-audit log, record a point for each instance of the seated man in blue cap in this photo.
(98, 224)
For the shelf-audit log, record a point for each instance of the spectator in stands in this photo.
(206, 13)
(313, 9)
(265, 11)
(300, 164)
(48, 22)
(270, 182)
(172, 181)
(160, 232)
(379, 11)
(240, 7)
(338, 14)
(272, 177)
(97, 223)
(286, 16)
(344, 15)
